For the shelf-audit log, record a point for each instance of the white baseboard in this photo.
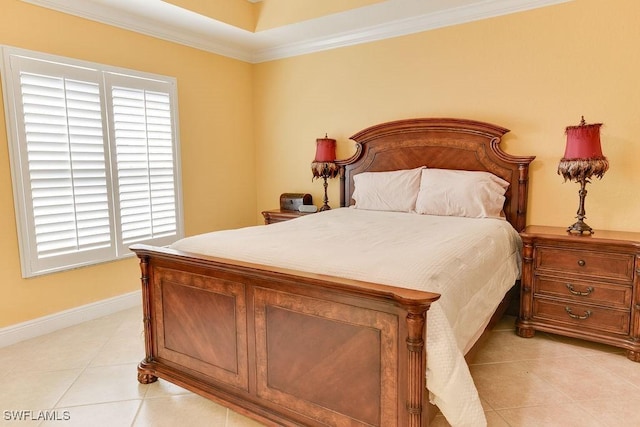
(44, 325)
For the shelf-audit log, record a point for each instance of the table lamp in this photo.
(582, 159)
(324, 165)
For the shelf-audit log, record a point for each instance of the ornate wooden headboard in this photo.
(443, 144)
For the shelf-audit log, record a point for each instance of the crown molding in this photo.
(401, 27)
(376, 22)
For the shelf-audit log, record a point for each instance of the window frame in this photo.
(31, 264)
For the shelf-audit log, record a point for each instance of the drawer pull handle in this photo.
(587, 313)
(581, 294)
(581, 262)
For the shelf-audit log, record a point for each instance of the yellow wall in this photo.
(218, 173)
(534, 72)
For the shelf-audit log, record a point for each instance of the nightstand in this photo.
(582, 286)
(279, 215)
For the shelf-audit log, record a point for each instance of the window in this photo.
(94, 159)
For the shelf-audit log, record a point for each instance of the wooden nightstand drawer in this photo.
(588, 263)
(582, 316)
(610, 295)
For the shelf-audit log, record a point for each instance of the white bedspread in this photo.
(471, 262)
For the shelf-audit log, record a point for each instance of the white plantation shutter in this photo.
(94, 160)
(145, 159)
(63, 127)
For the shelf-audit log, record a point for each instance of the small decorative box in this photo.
(292, 201)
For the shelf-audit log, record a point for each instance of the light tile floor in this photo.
(86, 376)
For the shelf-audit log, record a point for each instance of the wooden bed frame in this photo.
(293, 348)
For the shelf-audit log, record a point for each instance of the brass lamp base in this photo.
(325, 206)
(580, 227)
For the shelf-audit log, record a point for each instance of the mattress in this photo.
(471, 262)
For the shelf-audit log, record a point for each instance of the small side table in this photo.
(279, 215)
(582, 286)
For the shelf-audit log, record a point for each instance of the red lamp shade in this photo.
(583, 154)
(583, 142)
(325, 150)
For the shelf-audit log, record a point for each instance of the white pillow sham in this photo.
(387, 191)
(472, 194)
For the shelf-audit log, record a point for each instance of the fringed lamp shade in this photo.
(325, 158)
(583, 153)
(320, 169)
(323, 166)
(582, 160)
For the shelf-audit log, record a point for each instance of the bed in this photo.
(317, 339)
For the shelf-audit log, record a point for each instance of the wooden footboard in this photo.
(284, 347)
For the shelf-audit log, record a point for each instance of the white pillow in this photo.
(461, 193)
(387, 191)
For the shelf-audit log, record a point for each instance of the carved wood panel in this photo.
(333, 362)
(201, 323)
